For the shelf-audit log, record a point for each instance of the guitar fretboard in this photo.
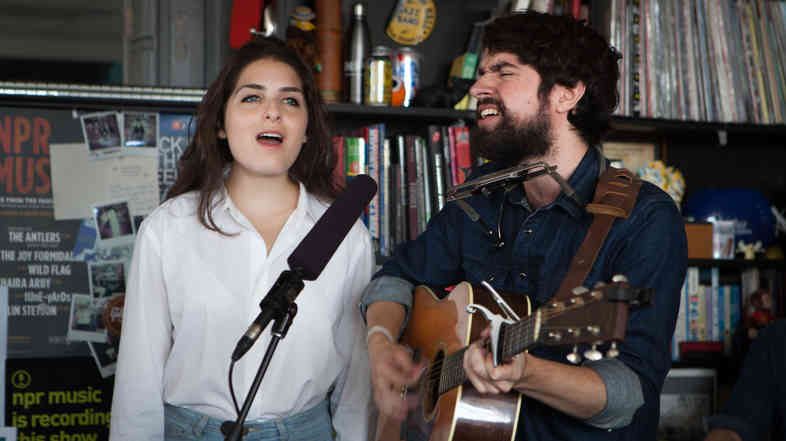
(513, 339)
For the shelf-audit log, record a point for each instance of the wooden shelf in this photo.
(671, 126)
(738, 264)
(185, 99)
(422, 114)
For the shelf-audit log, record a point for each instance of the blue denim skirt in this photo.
(181, 424)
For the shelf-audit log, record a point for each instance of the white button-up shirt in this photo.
(192, 293)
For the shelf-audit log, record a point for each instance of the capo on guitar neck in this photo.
(495, 320)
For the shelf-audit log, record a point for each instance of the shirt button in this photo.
(522, 276)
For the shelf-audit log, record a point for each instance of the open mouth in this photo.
(270, 137)
(488, 113)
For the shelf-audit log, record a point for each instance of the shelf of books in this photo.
(413, 170)
(699, 61)
(722, 303)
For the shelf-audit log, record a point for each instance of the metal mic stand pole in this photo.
(279, 331)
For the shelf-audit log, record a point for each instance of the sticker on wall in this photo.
(412, 21)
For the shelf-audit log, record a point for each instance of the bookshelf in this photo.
(739, 264)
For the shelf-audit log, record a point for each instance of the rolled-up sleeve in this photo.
(653, 254)
(432, 259)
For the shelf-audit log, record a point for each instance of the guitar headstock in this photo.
(590, 316)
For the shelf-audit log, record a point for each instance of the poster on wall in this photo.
(176, 130)
(38, 260)
(65, 276)
(44, 261)
(70, 402)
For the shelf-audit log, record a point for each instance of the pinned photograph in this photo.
(113, 222)
(138, 222)
(85, 321)
(105, 355)
(107, 250)
(102, 133)
(107, 279)
(140, 132)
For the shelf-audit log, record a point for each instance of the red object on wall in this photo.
(246, 14)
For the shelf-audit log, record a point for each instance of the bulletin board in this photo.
(74, 187)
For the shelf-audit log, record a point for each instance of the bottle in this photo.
(378, 77)
(357, 52)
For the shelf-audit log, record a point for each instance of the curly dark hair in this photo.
(563, 51)
(202, 165)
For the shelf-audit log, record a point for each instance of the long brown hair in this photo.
(201, 167)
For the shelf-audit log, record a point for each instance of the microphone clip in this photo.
(277, 304)
(283, 292)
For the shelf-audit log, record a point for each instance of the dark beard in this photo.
(512, 144)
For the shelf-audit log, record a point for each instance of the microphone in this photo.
(310, 256)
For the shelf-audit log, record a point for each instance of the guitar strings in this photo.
(516, 331)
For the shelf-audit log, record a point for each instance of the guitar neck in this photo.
(513, 339)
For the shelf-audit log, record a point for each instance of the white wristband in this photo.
(382, 330)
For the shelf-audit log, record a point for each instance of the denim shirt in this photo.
(649, 248)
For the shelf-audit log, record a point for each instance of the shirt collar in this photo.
(583, 181)
(307, 208)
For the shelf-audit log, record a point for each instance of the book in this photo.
(355, 161)
(463, 154)
(758, 61)
(767, 64)
(636, 67)
(425, 192)
(386, 207)
(751, 79)
(735, 315)
(373, 136)
(446, 157)
(737, 58)
(401, 232)
(716, 306)
(687, 44)
(695, 306)
(705, 62)
(435, 150)
(413, 202)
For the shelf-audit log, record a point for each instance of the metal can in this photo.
(406, 66)
(378, 77)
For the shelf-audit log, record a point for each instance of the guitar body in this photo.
(437, 330)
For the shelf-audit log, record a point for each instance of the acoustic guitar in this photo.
(444, 406)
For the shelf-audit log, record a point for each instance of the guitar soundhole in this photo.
(431, 386)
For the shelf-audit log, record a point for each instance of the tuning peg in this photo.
(574, 356)
(619, 278)
(579, 291)
(593, 353)
(613, 352)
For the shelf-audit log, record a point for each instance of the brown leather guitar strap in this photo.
(615, 196)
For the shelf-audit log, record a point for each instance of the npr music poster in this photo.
(37, 261)
(45, 262)
(61, 348)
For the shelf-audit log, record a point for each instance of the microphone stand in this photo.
(280, 327)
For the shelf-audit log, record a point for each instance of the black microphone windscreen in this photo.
(316, 249)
